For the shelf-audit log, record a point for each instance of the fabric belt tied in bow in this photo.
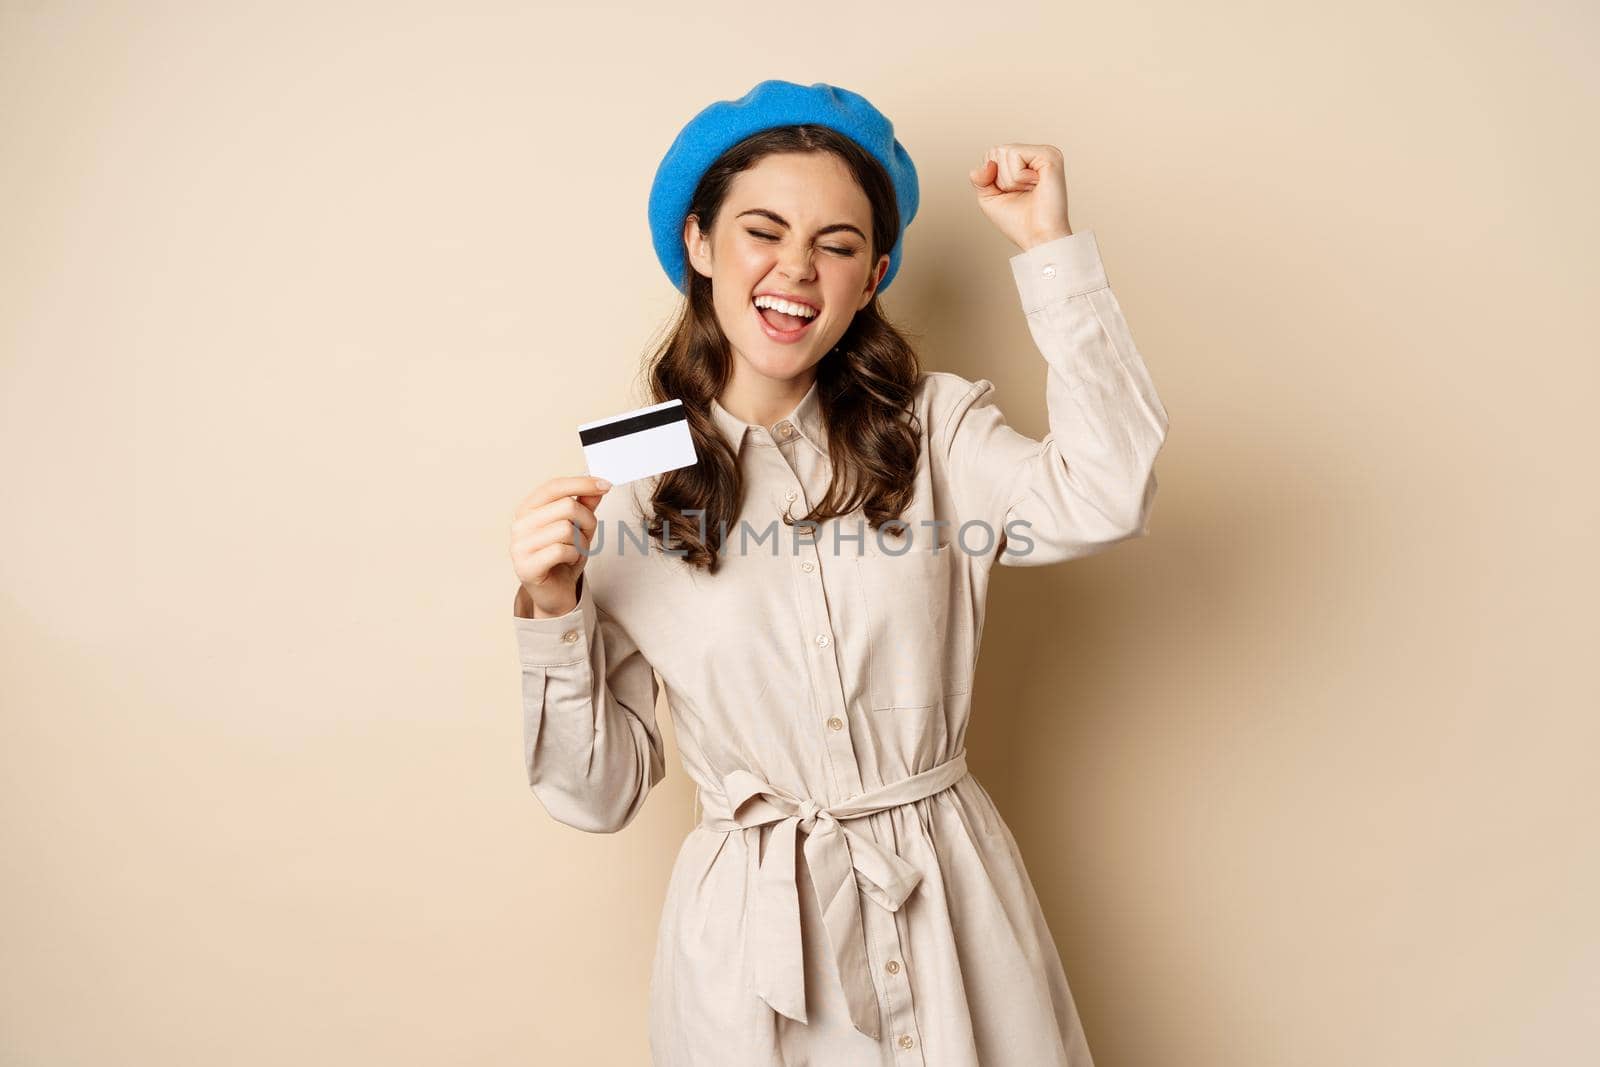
(840, 859)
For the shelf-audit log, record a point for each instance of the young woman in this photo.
(811, 594)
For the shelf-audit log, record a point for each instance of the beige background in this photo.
(297, 303)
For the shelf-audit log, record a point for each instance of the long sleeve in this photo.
(590, 740)
(1090, 483)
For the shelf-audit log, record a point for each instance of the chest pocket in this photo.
(908, 597)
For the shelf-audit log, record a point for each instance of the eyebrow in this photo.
(781, 221)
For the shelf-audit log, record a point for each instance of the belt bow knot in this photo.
(842, 862)
(808, 814)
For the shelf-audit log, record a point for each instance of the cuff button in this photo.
(1049, 270)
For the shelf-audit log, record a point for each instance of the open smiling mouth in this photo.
(780, 326)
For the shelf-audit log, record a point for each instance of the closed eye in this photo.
(764, 235)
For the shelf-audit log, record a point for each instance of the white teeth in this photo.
(785, 307)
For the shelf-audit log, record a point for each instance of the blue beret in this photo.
(721, 125)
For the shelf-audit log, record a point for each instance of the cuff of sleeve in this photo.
(1058, 270)
(562, 639)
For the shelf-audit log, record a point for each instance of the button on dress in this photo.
(849, 894)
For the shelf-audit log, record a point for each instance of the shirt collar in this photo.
(806, 418)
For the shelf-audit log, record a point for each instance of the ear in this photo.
(697, 246)
(878, 272)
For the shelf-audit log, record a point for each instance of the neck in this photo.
(763, 401)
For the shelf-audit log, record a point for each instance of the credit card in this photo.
(639, 443)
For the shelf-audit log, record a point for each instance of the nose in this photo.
(795, 262)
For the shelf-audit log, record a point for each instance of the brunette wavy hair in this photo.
(865, 383)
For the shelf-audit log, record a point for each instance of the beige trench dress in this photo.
(850, 895)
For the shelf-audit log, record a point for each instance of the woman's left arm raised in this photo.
(1090, 482)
